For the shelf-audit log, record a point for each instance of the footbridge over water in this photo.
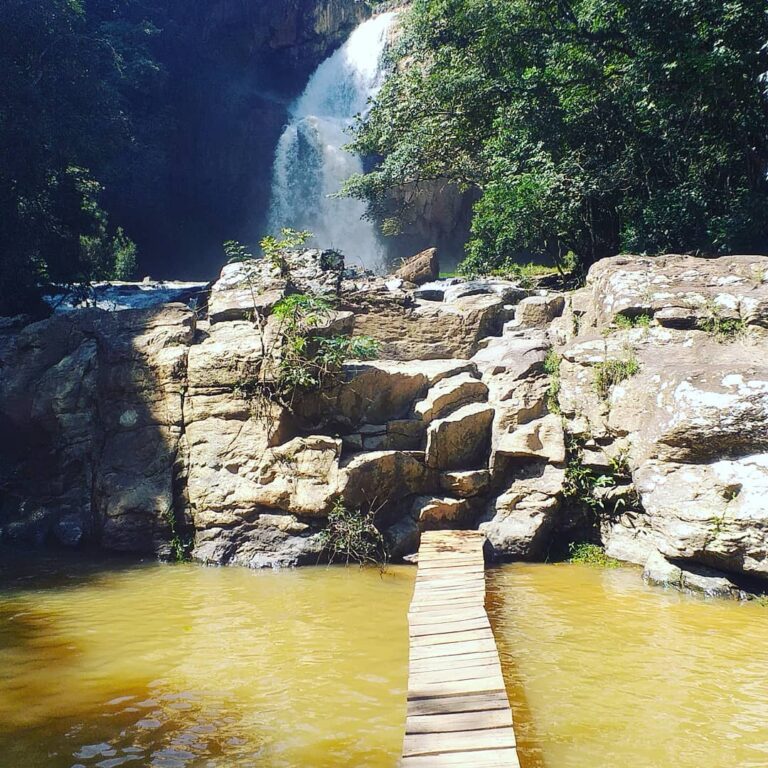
(458, 710)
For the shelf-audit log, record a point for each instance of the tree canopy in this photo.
(590, 126)
(75, 73)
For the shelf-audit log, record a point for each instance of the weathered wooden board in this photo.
(458, 710)
(496, 758)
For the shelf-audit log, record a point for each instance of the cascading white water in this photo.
(310, 162)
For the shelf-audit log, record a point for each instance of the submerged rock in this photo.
(662, 572)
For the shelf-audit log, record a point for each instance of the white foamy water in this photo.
(310, 163)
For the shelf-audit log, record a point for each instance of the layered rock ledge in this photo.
(490, 406)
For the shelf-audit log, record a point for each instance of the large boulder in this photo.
(421, 268)
(518, 523)
(711, 513)
(540, 439)
(449, 395)
(380, 391)
(92, 406)
(427, 330)
(403, 537)
(691, 420)
(262, 541)
(381, 479)
(460, 440)
(538, 311)
(465, 484)
(517, 354)
(685, 289)
(661, 572)
(436, 512)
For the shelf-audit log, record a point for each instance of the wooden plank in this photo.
(428, 616)
(462, 636)
(470, 702)
(468, 676)
(444, 627)
(496, 758)
(458, 687)
(452, 649)
(460, 721)
(458, 712)
(457, 741)
(454, 662)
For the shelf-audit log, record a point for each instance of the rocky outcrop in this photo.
(538, 311)
(256, 285)
(134, 430)
(450, 394)
(518, 523)
(662, 363)
(417, 329)
(539, 439)
(154, 436)
(461, 439)
(92, 405)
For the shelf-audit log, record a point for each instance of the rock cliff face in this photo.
(633, 412)
(692, 422)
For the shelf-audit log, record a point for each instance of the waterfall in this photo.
(310, 163)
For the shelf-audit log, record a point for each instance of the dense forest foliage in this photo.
(78, 97)
(584, 126)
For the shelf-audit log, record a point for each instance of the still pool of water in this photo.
(604, 671)
(186, 667)
(183, 666)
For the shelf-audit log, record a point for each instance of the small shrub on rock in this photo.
(310, 359)
(351, 536)
(724, 329)
(552, 369)
(625, 322)
(612, 371)
(590, 554)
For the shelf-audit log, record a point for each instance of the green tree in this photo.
(72, 72)
(589, 126)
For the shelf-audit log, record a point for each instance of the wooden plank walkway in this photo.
(458, 711)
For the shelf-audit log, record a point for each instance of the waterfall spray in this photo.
(310, 162)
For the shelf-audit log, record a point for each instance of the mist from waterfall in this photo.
(310, 163)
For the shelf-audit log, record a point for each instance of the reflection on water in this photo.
(185, 667)
(604, 671)
(182, 666)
